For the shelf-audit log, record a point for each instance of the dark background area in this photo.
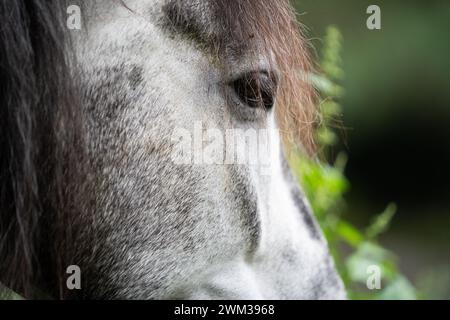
(397, 115)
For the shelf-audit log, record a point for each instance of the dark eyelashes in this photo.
(256, 89)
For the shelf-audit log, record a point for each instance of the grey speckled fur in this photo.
(163, 230)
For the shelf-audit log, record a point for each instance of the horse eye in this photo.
(256, 89)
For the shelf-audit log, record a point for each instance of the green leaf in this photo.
(327, 137)
(6, 294)
(349, 233)
(331, 56)
(368, 254)
(399, 289)
(381, 222)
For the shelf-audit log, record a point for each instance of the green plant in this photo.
(325, 186)
(6, 294)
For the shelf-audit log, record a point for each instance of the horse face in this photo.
(164, 228)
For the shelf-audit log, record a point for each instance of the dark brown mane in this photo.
(41, 150)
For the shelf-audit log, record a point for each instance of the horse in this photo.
(87, 174)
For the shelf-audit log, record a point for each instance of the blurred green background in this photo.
(396, 114)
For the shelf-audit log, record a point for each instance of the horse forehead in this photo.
(226, 25)
(195, 18)
(192, 13)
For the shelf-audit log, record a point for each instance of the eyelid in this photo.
(271, 80)
(256, 89)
